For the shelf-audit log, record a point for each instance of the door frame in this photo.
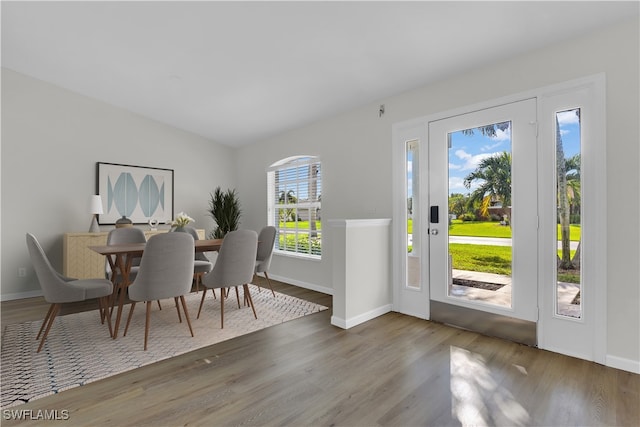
(553, 328)
(417, 128)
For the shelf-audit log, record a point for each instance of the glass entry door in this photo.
(482, 219)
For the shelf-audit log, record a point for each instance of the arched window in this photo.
(294, 195)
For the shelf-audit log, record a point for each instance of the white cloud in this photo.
(456, 185)
(502, 135)
(568, 118)
(491, 147)
(461, 154)
(471, 161)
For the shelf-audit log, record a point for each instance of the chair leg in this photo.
(269, 282)
(44, 322)
(159, 306)
(186, 313)
(222, 310)
(238, 296)
(103, 304)
(197, 277)
(248, 295)
(178, 309)
(101, 308)
(204, 294)
(126, 328)
(52, 317)
(114, 297)
(146, 325)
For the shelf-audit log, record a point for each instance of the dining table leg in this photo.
(123, 262)
(116, 286)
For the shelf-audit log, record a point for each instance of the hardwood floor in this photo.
(395, 370)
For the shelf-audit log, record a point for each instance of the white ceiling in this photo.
(239, 72)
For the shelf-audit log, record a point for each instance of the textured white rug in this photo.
(79, 349)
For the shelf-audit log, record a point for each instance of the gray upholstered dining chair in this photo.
(201, 264)
(266, 242)
(119, 236)
(234, 267)
(166, 271)
(58, 289)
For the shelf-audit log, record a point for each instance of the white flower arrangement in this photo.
(182, 219)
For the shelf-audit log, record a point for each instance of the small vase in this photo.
(180, 229)
(124, 222)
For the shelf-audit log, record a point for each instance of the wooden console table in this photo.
(80, 262)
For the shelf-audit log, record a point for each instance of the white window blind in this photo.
(294, 187)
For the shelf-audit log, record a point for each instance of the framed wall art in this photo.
(139, 193)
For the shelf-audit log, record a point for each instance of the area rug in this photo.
(79, 349)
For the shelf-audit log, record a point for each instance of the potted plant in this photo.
(224, 208)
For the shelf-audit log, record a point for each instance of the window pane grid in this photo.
(295, 197)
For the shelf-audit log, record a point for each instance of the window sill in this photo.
(297, 255)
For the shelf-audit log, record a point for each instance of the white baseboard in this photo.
(306, 285)
(361, 318)
(624, 364)
(21, 295)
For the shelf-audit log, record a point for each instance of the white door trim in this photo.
(588, 334)
(599, 238)
(522, 115)
(411, 301)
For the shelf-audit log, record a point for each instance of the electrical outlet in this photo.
(22, 272)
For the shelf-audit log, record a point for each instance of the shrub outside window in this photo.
(294, 197)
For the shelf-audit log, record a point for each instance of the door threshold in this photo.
(491, 324)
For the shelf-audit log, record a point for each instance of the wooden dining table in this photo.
(120, 258)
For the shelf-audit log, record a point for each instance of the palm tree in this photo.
(573, 193)
(494, 174)
(488, 130)
(564, 208)
(284, 198)
(572, 165)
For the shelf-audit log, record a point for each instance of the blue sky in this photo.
(467, 151)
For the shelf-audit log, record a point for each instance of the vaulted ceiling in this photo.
(240, 72)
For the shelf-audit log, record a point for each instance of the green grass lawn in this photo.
(491, 259)
(304, 225)
(485, 258)
(490, 229)
(479, 229)
(494, 229)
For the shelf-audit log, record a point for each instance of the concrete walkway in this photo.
(493, 241)
(502, 297)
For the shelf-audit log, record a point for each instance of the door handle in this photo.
(434, 231)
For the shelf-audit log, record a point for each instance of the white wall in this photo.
(355, 151)
(361, 271)
(51, 141)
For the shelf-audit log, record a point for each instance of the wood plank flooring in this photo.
(395, 370)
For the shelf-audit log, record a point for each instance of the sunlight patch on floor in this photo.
(476, 397)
